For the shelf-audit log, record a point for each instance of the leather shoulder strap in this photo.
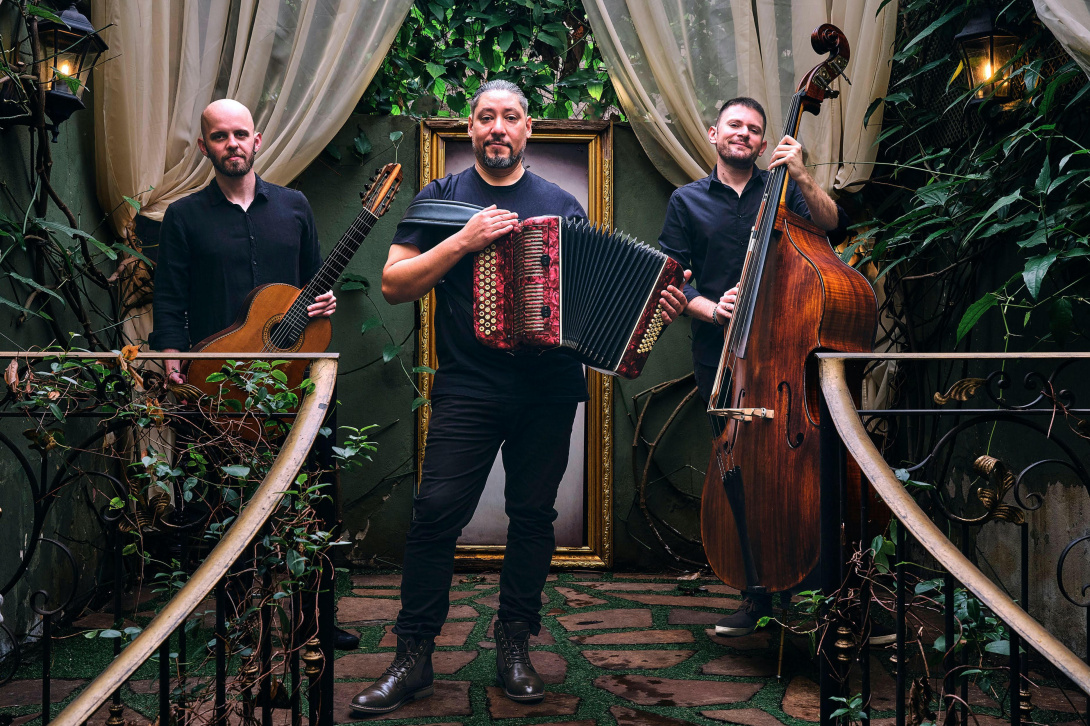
(440, 213)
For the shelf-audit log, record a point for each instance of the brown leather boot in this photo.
(408, 678)
(514, 672)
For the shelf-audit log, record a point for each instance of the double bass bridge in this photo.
(744, 414)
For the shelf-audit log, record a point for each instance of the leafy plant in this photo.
(980, 209)
(445, 50)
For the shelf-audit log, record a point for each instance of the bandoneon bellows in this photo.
(560, 283)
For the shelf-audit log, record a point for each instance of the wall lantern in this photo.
(69, 50)
(986, 52)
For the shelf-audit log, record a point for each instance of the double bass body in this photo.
(760, 508)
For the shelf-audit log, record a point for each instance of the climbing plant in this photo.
(980, 209)
(446, 49)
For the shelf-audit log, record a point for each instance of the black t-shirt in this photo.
(466, 367)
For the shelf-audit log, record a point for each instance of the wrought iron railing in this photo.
(213, 574)
(942, 507)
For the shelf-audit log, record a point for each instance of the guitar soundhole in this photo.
(273, 332)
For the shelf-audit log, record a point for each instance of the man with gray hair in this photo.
(484, 401)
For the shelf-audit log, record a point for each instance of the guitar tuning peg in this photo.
(371, 179)
(832, 94)
(362, 195)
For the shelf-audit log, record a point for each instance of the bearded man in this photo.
(707, 229)
(483, 401)
(221, 242)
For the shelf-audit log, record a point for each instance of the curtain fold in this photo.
(673, 62)
(1069, 21)
(300, 66)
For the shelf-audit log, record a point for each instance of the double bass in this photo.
(760, 505)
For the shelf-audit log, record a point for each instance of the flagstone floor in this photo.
(625, 649)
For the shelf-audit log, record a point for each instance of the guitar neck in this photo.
(334, 265)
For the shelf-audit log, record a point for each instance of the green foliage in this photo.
(852, 708)
(984, 207)
(445, 50)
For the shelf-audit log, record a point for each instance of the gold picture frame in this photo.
(597, 550)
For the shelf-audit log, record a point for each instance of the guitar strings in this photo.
(293, 323)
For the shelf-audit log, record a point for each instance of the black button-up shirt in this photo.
(707, 230)
(212, 253)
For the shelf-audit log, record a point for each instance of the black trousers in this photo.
(464, 435)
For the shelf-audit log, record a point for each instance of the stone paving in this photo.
(630, 650)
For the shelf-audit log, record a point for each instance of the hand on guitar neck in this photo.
(324, 306)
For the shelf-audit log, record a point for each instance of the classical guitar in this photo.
(273, 318)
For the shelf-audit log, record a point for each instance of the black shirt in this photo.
(466, 367)
(707, 230)
(212, 254)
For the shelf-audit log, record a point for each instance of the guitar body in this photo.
(263, 308)
(279, 312)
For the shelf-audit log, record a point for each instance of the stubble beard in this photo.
(732, 157)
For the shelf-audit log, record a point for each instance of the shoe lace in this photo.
(516, 650)
(403, 663)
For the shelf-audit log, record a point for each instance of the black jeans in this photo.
(464, 435)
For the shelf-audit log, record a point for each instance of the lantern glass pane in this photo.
(1005, 48)
(63, 53)
(978, 62)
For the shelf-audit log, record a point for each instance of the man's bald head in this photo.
(228, 138)
(225, 110)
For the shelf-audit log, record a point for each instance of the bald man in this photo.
(221, 242)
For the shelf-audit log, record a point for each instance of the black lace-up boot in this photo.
(408, 678)
(514, 672)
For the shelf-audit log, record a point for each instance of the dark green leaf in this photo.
(999, 647)
(33, 9)
(418, 402)
(361, 144)
(1043, 178)
(505, 39)
(974, 313)
(333, 151)
(1035, 271)
(1060, 318)
(395, 136)
(296, 563)
(435, 70)
(370, 323)
(236, 470)
(36, 285)
(423, 369)
(926, 32)
(351, 281)
(390, 351)
(110, 633)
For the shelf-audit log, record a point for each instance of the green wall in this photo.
(69, 521)
(377, 498)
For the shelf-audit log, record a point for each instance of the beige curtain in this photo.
(1069, 21)
(674, 62)
(299, 65)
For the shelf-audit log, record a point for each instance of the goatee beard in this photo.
(498, 162)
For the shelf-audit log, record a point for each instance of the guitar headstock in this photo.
(383, 188)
